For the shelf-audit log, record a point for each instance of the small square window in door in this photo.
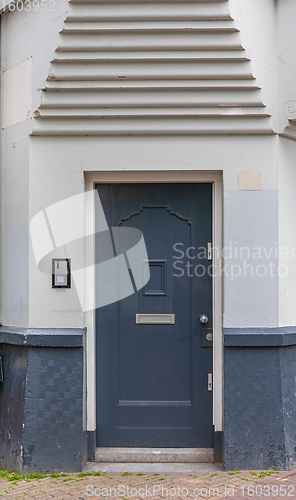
(156, 284)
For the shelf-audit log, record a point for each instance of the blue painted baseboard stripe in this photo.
(42, 337)
(260, 337)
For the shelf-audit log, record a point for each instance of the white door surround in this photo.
(91, 178)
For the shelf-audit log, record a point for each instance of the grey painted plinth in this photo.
(41, 409)
(260, 408)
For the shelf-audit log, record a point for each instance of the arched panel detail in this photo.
(166, 207)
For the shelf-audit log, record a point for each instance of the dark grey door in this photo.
(152, 379)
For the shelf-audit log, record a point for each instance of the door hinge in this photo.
(210, 382)
(209, 251)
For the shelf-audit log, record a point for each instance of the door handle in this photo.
(203, 319)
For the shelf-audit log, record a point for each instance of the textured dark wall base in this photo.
(260, 408)
(43, 392)
(12, 396)
(218, 446)
(91, 446)
(53, 423)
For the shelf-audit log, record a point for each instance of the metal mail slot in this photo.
(155, 319)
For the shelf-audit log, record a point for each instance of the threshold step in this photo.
(155, 455)
(146, 468)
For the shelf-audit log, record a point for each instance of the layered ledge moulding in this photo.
(161, 67)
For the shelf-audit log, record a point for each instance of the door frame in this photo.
(155, 176)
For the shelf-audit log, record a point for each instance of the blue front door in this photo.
(152, 379)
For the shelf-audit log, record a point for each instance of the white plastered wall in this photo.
(258, 24)
(39, 34)
(24, 36)
(287, 232)
(286, 100)
(54, 169)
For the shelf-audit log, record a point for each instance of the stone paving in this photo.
(237, 485)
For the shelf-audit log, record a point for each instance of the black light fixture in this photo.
(61, 273)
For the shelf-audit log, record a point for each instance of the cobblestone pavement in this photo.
(236, 485)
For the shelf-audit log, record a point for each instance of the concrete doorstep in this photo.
(154, 460)
(155, 455)
(156, 468)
